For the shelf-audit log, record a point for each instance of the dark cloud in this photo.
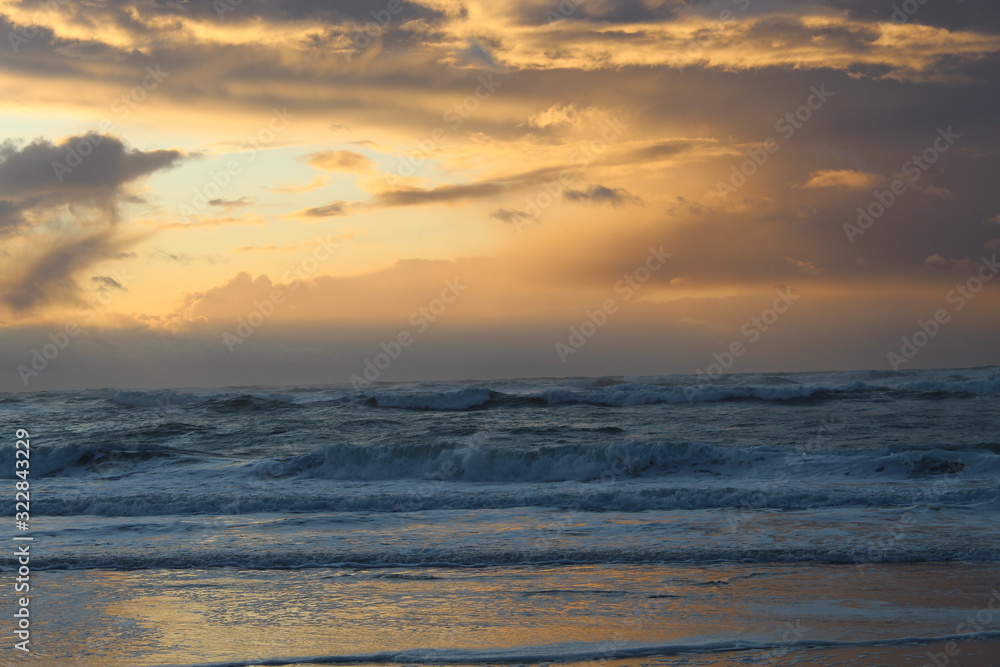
(80, 181)
(90, 169)
(185, 258)
(661, 150)
(444, 194)
(327, 211)
(476, 53)
(107, 283)
(977, 15)
(510, 216)
(599, 194)
(50, 278)
(135, 16)
(440, 195)
(231, 203)
(533, 12)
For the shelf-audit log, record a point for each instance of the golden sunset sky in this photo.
(269, 192)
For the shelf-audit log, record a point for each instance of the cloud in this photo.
(50, 277)
(968, 15)
(802, 266)
(510, 216)
(599, 194)
(185, 258)
(348, 161)
(685, 207)
(442, 194)
(61, 200)
(333, 209)
(107, 283)
(250, 219)
(660, 150)
(554, 116)
(452, 193)
(845, 179)
(86, 170)
(477, 54)
(781, 34)
(639, 61)
(447, 194)
(230, 204)
(544, 12)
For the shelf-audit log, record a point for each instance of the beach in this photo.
(829, 519)
(722, 614)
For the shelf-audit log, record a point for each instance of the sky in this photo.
(254, 192)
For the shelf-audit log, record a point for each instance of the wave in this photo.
(593, 498)
(612, 392)
(769, 388)
(576, 652)
(621, 395)
(154, 399)
(477, 461)
(606, 392)
(220, 402)
(78, 459)
(630, 395)
(460, 399)
(292, 558)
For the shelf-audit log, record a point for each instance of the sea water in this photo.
(523, 520)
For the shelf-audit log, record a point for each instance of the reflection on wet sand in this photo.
(566, 613)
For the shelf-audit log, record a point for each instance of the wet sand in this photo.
(612, 614)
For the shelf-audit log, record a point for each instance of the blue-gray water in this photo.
(532, 493)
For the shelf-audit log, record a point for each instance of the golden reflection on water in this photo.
(107, 619)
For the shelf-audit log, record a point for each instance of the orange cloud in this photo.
(846, 179)
(348, 161)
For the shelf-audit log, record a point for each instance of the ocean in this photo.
(820, 518)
